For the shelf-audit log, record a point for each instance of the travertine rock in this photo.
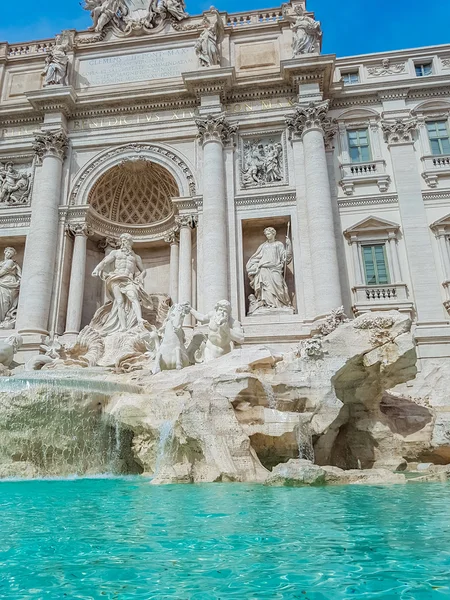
(336, 476)
(296, 473)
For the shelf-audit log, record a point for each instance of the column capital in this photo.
(312, 116)
(184, 221)
(215, 128)
(51, 143)
(173, 237)
(399, 131)
(79, 229)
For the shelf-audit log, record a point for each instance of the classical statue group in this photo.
(135, 17)
(129, 18)
(262, 163)
(135, 329)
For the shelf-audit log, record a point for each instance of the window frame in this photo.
(359, 146)
(373, 245)
(350, 73)
(422, 65)
(438, 138)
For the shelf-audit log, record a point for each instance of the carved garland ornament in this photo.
(313, 116)
(215, 128)
(135, 148)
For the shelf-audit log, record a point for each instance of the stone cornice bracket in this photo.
(186, 221)
(54, 99)
(400, 131)
(214, 81)
(51, 143)
(312, 116)
(173, 237)
(79, 229)
(215, 128)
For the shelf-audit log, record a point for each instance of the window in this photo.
(359, 147)
(350, 77)
(375, 264)
(439, 137)
(424, 69)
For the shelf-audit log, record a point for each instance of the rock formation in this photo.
(351, 403)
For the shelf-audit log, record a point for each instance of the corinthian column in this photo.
(80, 231)
(214, 132)
(186, 223)
(312, 124)
(40, 250)
(173, 239)
(399, 135)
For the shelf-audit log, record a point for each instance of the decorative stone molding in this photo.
(257, 200)
(400, 131)
(312, 116)
(366, 201)
(386, 68)
(445, 63)
(215, 128)
(173, 237)
(186, 221)
(148, 152)
(51, 143)
(79, 229)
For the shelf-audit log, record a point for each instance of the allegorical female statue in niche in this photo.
(10, 276)
(266, 270)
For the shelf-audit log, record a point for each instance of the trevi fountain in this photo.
(226, 261)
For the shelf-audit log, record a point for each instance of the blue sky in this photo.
(350, 27)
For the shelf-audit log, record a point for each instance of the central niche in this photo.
(136, 192)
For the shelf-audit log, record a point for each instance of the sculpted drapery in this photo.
(10, 276)
(266, 269)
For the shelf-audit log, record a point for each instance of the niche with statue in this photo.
(268, 266)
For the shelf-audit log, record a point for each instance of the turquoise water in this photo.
(122, 539)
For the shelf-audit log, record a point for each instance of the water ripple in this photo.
(122, 539)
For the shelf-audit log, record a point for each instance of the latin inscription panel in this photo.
(142, 66)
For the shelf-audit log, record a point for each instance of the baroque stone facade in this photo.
(195, 148)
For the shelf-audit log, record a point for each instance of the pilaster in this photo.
(400, 134)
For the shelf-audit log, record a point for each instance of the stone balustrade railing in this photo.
(381, 297)
(435, 167)
(368, 172)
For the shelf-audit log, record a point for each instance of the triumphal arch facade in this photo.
(246, 165)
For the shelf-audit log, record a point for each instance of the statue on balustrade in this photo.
(104, 12)
(15, 187)
(56, 64)
(307, 33)
(173, 8)
(266, 270)
(208, 44)
(10, 277)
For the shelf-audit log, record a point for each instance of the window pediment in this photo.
(372, 225)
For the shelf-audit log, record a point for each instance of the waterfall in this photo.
(304, 441)
(52, 427)
(165, 445)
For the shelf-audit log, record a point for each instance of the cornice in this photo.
(259, 199)
(367, 201)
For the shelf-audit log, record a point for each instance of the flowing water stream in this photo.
(56, 426)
